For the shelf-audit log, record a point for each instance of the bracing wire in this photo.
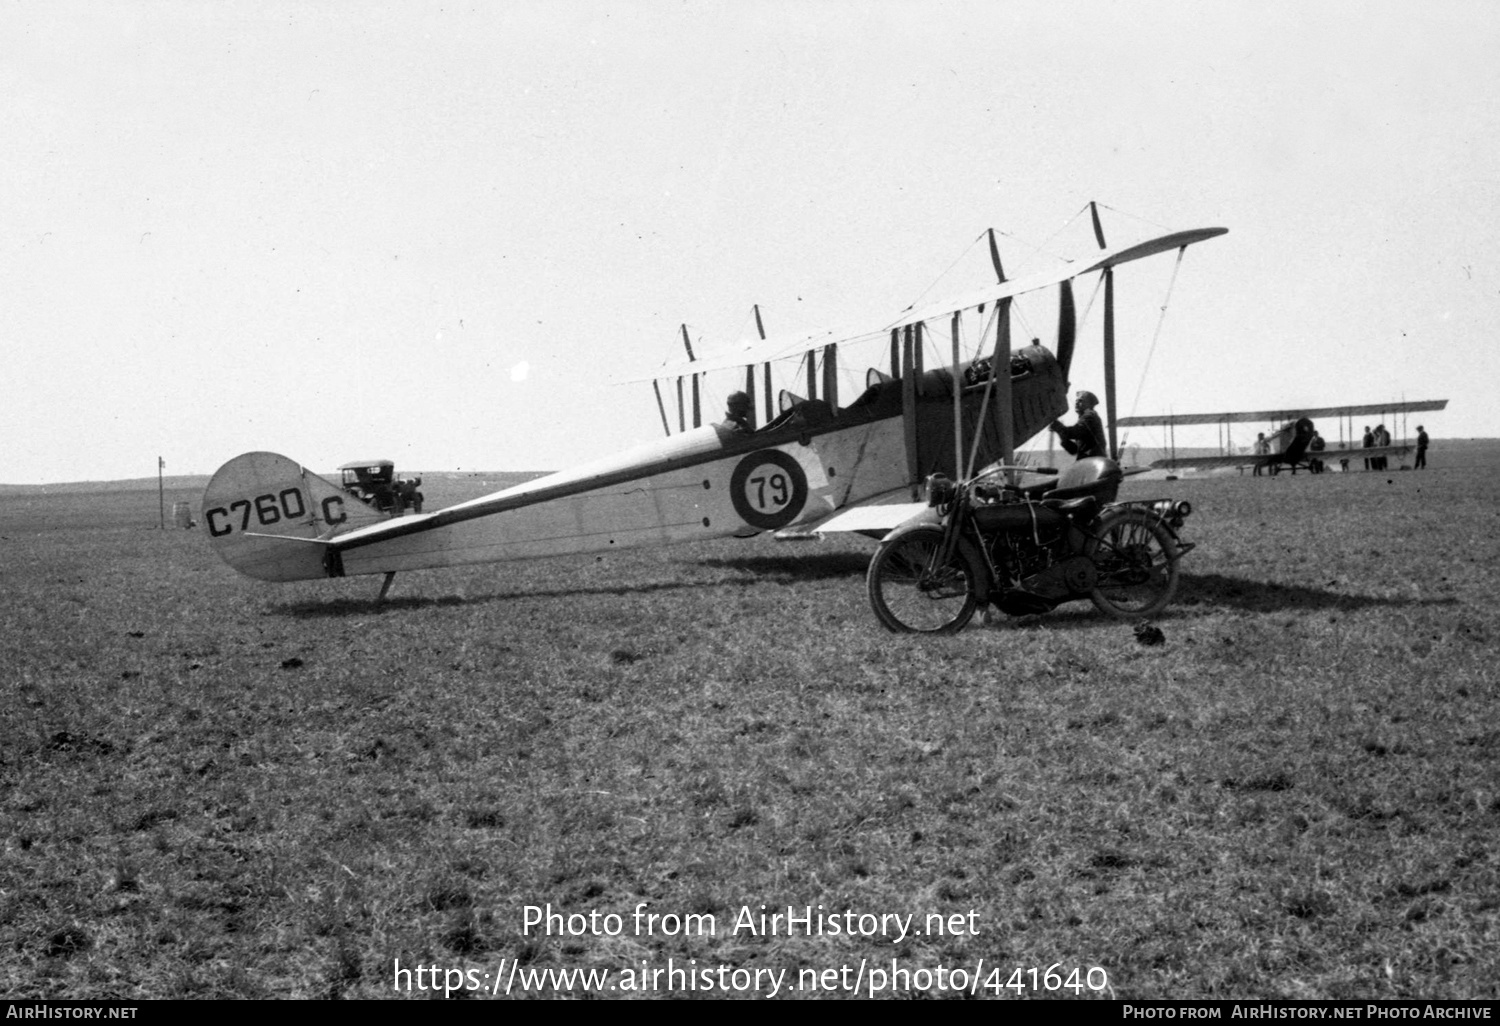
(1160, 320)
(1134, 217)
(1142, 384)
(1084, 319)
(1027, 331)
(946, 271)
(1034, 249)
(1041, 247)
(1061, 228)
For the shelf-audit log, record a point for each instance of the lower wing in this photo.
(1245, 460)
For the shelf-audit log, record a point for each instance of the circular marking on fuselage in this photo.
(768, 489)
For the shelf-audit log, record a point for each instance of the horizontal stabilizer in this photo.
(871, 519)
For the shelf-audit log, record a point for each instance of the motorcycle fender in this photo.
(928, 517)
(971, 552)
(966, 548)
(1183, 548)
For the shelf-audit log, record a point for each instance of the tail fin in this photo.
(268, 517)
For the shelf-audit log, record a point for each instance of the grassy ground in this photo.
(211, 786)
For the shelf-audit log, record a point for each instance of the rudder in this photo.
(267, 516)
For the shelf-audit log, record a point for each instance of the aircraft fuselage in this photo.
(707, 482)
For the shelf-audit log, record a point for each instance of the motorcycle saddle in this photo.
(1080, 510)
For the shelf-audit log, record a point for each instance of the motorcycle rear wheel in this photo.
(911, 595)
(1135, 557)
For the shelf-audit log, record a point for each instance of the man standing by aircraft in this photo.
(1421, 448)
(1086, 437)
(1382, 438)
(1316, 446)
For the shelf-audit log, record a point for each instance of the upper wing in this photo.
(1097, 262)
(787, 345)
(1185, 419)
(1281, 416)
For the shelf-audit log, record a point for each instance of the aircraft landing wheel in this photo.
(909, 594)
(1136, 558)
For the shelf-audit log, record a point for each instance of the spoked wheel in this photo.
(909, 592)
(1135, 557)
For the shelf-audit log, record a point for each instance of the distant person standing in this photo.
(1382, 438)
(1316, 447)
(1369, 444)
(1086, 437)
(1262, 448)
(1421, 448)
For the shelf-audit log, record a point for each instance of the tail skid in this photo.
(262, 511)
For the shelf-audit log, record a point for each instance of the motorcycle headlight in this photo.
(940, 489)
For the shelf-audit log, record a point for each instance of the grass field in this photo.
(211, 786)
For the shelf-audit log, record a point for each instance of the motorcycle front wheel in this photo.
(911, 593)
(1135, 559)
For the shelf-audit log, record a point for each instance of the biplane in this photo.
(1289, 446)
(812, 453)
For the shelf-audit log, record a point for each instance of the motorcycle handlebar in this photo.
(996, 468)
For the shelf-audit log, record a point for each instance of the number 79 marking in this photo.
(768, 489)
(780, 492)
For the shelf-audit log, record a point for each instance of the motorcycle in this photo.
(1027, 550)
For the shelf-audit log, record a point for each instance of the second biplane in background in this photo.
(1290, 443)
(810, 456)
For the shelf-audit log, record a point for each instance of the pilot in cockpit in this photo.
(737, 416)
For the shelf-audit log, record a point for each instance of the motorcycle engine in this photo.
(1072, 576)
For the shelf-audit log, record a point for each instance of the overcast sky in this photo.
(437, 233)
